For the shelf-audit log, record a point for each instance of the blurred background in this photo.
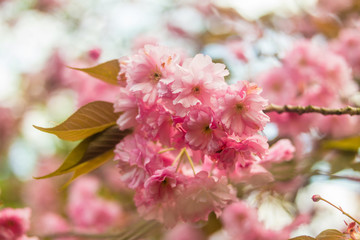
(39, 39)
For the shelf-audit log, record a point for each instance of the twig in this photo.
(312, 109)
(129, 234)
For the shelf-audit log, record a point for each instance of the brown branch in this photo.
(136, 232)
(312, 109)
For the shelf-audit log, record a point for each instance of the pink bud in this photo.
(316, 198)
(95, 53)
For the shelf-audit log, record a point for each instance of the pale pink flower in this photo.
(14, 223)
(87, 210)
(144, 71)
(202, 130)
(126, 104)
(202, 195)
(241, 222)
(237, 47)
(50, 223)
(318, 82)
(295, 123)
(282, 150)
(329, 125)
(198, 82)
(251, 173)
(347, 44)
(138, 158)
(240, 151)
(142, 40)
(156, 123)
(162, 184)
(157, 200)
(240, 109)
(278, 86)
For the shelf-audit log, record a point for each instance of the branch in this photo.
(312, 109)
(135, 232)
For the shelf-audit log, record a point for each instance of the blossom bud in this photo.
(316, 198)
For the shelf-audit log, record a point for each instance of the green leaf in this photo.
(104, 142)
(330, 234)
(303, 238)
(346, 144)
(71, 160)
(92, 118)
(106, 72)
(90, 165)
(89, 150)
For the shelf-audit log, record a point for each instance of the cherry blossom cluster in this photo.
(193, 134)
(86, 211)
(311, 75)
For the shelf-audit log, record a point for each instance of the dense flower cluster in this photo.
(192, 134)
(306, 79)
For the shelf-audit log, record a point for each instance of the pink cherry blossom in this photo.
(203, 195)
(240, 151)
(50, 223)
(240, 109)
(158, 198)
(278, 86)
(87, 210)
(347, 45)
(14, 223)
(146, 69)
(138, 159)
(282, 150)
(241, 222)
(199, 79)
(126, 103)
(202, 130)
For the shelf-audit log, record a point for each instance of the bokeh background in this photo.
(40, 38)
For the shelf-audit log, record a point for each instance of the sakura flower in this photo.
(202, 130)
(240, 109)
(241, 222)
(282, 150)
(278, 86)
(200, 79)
(144, 71)
(240, 151)
(14, 223)
(347, 45)
(157, 124)
(203, 195)
(87, 210)
(50, 223)
(157, 200)
(126, 103)
(138, 159)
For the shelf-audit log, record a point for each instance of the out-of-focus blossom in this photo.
(88, 211)
(14, 223)
(7, 128)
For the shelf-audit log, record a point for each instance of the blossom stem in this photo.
(312, 109)
(166, 150)
(339, 208)
(190, 161)
(178, 156)
(134, 233)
